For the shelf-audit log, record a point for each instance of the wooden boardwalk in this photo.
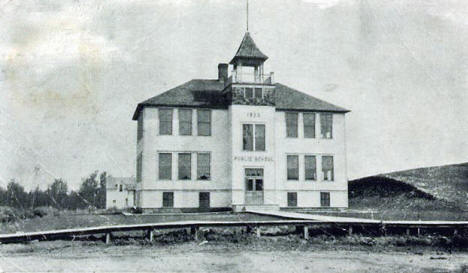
(301, 220)
(349, 220)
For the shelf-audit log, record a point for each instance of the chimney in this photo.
(223, 72)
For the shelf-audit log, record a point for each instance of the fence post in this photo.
(108, 238)
(150, 235)
(306, 232)
(195, 232)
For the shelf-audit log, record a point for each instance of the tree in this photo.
(57, 193)
(89, 189)
(102, 191)
(16, 196)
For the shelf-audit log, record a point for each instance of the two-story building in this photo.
(238, 141)
(120, 192)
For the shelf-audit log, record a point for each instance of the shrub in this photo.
(43, 211)
(7, 214)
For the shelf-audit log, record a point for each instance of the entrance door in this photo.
(254, 186)
(204, 201)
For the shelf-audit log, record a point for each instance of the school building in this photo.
(239, 141)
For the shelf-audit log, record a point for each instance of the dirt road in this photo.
(214, 257)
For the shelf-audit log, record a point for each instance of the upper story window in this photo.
(310, 167)
(165, 121)
(326, 125)
(120, 187)
(253, 137)
(185, 166)
(203, 166)
(327, 168)
(204, 122)
(309, 125)
(165, 166)
(185, 122)
(293, 167)
(291, 124)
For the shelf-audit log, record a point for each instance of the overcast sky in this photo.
(72, 73)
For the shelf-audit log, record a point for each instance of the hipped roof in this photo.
(201, 93)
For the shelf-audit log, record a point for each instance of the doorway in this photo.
(254, 186)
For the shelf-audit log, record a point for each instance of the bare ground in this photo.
(259, 255)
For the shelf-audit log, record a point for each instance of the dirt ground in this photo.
(263, 255)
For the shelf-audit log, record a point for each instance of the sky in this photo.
(72, 73)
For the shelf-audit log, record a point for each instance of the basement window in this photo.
(168, 199)
(324, 199)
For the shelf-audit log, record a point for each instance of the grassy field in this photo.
(65, 220)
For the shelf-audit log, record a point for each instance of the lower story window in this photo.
(324, 199)
(168, 199)
(292, 199)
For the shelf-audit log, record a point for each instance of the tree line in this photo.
(92, 193)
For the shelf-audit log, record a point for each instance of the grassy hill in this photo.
(424, 193)
(449, 182)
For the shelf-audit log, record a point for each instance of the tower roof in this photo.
(248, 50)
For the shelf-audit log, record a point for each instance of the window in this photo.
(165, 166)
(292, 199)
(204, 122)
(248, 93)
(251, 143)
(120, 188)
(139, 165)
(258, 93)
(113, 201)
(165, 121)
(185, 166)
(185, 122)
(326, 125)
(309, 125)
(293, 167)
(291, 124)
(327, 168)
(204, 200)
(310, 167)
(247, 137)
(325, 199)
(203, 166)
(168, 199)
(259, 137)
